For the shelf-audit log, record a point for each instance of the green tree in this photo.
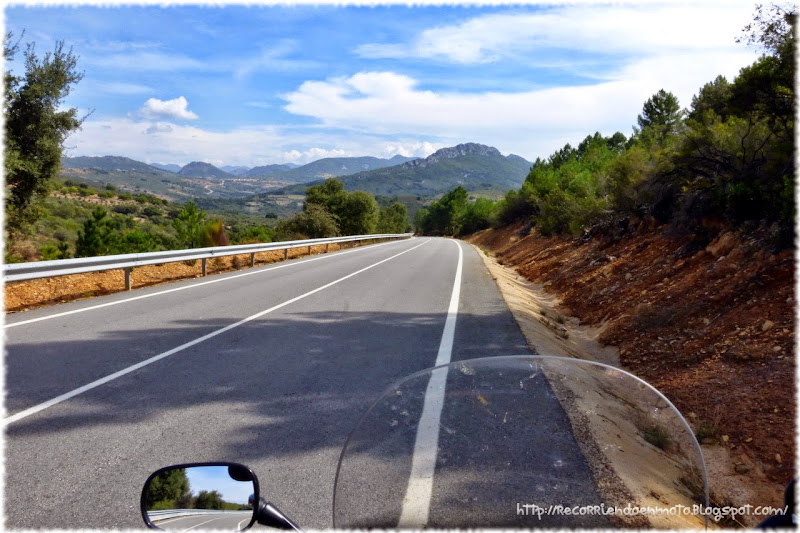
(36, 127)
(358, 214)
(393, 219)
(95, 238)
(662, 113)
(713, 96)
(135, 242)
(168, 486)
(315, 222)
(208, 500)
(444, 216)
(330, 194)
(190, 225)
(479, 215)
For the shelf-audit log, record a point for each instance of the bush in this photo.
(151, 211)
(315, 222)
(657, 436)
(125, 209)
(48, 252)
(393, 219)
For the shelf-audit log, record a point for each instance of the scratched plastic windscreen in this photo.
(520, 442)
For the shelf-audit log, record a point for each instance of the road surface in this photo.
(270, 367)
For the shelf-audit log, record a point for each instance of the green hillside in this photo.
(198, 169)
(480, 169)
(337, 166)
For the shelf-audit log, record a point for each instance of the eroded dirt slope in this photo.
(711, 327)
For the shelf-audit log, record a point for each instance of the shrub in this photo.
(151, 211)
(125, 209)
(315, 222)
(657, 436)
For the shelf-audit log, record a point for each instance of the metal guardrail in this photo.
(63, 267)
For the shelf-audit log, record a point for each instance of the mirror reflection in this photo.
(202, 497)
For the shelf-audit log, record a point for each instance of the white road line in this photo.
(201, 523)
(218, 280)
(417, 501)
(239, 525)
(137, 366)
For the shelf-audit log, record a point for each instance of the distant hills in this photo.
(476, 167)
(168, 168)
(194, 180)
(108, 163)
(328, 167)
(288, 172)
(267, 170)
(480, 169)
(198, 169)
(235, 170)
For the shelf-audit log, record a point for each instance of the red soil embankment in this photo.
(712, 328)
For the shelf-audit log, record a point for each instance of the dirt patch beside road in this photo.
(712, 328)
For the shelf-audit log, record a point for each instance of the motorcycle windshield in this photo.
(521, 441)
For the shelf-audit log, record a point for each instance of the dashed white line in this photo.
(80, 390)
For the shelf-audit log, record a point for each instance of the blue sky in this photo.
(211, 478)
(239, 85)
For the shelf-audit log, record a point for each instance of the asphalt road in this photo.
(270, 367)
(225, 521)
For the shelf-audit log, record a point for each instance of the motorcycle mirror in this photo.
(201, 495)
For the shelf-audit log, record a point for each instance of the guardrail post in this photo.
(128, 280)
(327, 244)
(285, 254)
(205, 267)
(309, 249)
(253, 259)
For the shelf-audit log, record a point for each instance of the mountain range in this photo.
(480, 169)
(476, 167)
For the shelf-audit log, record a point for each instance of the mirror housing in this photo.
(211, 495)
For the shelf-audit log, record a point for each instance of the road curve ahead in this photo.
(270, 367)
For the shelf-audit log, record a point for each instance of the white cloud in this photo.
(530, 123)
(416, 149)
(158, 128)
(312, 154)
(637, 30)
(154, 109)
(250, 146)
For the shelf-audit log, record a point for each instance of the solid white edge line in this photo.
(257, 270)
(89, 386)
(417, 501)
